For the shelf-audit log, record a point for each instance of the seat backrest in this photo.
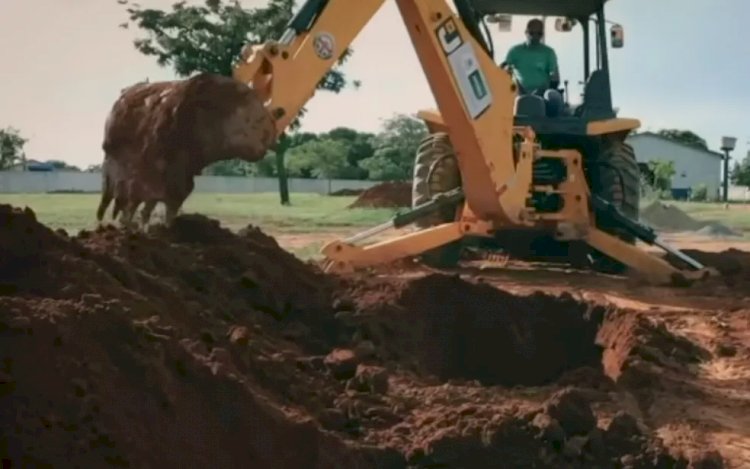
(597, 97)
(530, 106)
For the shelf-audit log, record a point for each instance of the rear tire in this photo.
(436, 171)
(616, 178)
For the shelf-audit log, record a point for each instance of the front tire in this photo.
(436, 171)
(616, 178)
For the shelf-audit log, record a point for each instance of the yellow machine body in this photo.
(475, 100)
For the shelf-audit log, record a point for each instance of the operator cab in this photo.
(586, 16)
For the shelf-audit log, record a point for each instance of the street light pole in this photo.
(727, 145)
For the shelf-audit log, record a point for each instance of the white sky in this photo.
(685, 65)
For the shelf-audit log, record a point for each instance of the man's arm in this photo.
(554, 70)
(509, 58)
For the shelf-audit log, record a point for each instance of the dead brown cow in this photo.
(116, 186)
(158, 136)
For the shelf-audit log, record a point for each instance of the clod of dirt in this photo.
(342, 363)
(239, 335)
(372, 379)
(550, 430)
(709, 460)
(623, 425)
(572, 410)
(385, 195)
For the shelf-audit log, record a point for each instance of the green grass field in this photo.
(309, 213)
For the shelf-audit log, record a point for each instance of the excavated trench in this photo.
(454, 329)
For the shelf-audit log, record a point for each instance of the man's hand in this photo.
(554, 80)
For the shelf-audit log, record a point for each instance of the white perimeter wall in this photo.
(19, 182)
(40, 182)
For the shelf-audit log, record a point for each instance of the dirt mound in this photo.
(191, 330)
(235, 351)
(733, 267)
(668, 217)
(385, 195)
(346, 192)
(717, 230)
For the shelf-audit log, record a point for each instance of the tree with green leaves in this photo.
(394, 149)
(209, 37)
(234, 167)
(11, 147)
(684, 136)
(740, 174)
(320, 159)
(359, 148)
(663, 171)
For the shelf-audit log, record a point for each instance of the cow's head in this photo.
(229, 119)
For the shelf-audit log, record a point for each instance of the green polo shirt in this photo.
(533, 65)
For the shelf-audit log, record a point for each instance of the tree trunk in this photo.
(281, 170)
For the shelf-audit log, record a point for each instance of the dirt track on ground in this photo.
(193, 346)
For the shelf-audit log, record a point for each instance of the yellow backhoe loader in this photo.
(494, 162)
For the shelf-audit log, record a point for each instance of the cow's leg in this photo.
(148, 208)
(173, 205)
(171, 210)
(131, 206)
(108, 191)
(103, 204)
(179, 191)
(121, 197)
(119, 205)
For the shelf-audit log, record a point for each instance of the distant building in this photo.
(32, 165)
(42, 166)
(693, 166)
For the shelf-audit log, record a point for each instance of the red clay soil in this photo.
(733, 267)
(385, 195)
(192, 346)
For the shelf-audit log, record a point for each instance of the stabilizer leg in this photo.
(345, 257)
(653, 268)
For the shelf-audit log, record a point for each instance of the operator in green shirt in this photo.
(534, 67)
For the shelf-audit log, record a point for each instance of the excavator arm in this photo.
(472, 93)
(286, 72)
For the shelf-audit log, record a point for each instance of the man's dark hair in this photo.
(534, 21)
